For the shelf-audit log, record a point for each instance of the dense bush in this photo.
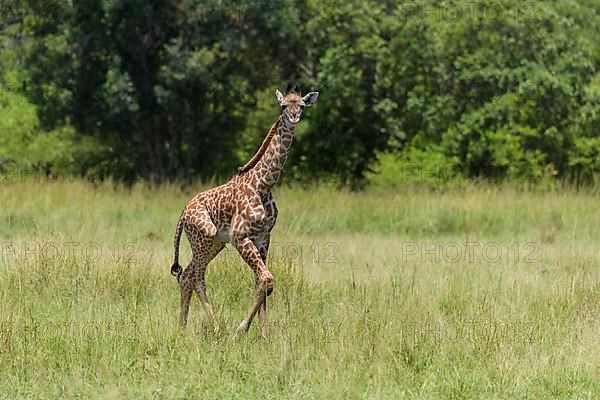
(181, 89)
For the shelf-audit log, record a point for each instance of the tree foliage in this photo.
(185, 88)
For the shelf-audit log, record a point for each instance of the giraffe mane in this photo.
(261, 151)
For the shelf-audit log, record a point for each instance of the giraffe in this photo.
(241, 212)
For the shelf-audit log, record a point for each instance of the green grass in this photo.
(372, 298)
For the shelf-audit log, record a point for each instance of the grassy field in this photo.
(481, 292)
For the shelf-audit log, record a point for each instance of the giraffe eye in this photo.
(283, 106)
(302, 107)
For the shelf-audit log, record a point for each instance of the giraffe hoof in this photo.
(242, 329)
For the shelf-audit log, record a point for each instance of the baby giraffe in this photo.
(241, 212)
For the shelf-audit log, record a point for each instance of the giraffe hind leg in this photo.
(201, 237)
(186, 288)
(200, 286)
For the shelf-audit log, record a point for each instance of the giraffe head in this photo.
(293, 103)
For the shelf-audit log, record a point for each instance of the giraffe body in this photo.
(241, 212)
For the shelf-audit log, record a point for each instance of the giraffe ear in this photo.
(310, 98)
(279, 96)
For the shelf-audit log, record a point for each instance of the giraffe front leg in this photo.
(263, 249)
(264, 279)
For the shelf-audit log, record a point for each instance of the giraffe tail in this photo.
(176, 268)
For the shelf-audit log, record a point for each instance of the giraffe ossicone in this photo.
(241, 212)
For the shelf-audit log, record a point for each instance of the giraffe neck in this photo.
(267, 170)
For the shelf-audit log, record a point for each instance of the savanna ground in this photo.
(476, 292)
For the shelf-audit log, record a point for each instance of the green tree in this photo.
(184, 88)
(165, 84)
